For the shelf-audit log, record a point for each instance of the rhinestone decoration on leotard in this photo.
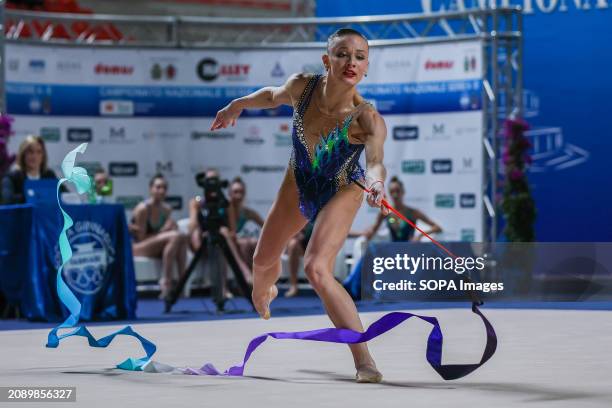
(333, 164)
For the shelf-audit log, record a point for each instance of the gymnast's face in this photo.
(158, 189)
(237, 193)
(396, 192)
(347, 59)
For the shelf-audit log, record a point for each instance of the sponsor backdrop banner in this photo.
(566, 97)
(149, 111)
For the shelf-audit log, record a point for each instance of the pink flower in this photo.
(516, 175)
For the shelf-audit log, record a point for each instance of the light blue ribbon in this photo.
(78, 176)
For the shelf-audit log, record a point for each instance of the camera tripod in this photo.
(214, 240)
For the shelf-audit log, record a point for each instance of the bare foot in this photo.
(262, 301)
(368, 373)
(291, 292)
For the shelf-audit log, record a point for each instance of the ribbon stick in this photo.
(78, 176)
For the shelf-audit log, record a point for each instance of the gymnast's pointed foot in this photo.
(368, 373)
(262, 300)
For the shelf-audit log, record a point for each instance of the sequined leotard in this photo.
(333, 162)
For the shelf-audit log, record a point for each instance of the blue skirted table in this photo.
(101, 272)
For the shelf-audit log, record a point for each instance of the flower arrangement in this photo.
(518, 204)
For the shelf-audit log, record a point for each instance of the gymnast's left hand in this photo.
(226, 116)
(376, 196)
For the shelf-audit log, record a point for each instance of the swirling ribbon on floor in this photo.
(78, 176)
(379, 327)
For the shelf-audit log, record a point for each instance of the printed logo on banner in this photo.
(469, 61)
(93, 253)
(441, 166)
(282, 138)
(208, 69)
(463, 131)
(468, 234)
(467, 166)
(37, 65)
(551, 153)
(116, 108)
(68, 66)
(469, 100)
(400, 65)
(13, 65)
(261, 169)
(405, 132)
(37, 105)
(176, 202)
(91, 167)
(112, 69)
(117, 135)
(162, 134)
(438, 65)
(50, 134)
(123, 169)
(413, 166)
(438, 132)
(129, 202)
(277, 71)
(253, 138)
(167, 168)
(163, 72)
(467, 200)
(195, 135)
(445, 201)
(79, 135)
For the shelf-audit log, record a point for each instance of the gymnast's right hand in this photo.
(226, 116)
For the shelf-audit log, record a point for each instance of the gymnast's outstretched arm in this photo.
(376, 133)
(264, 98)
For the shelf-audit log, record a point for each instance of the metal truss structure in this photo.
(498, 29)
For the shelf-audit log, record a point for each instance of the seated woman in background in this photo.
(31, 164)
(156, 234)
(239, 215)
(399, 229)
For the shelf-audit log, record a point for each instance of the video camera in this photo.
(213, 214)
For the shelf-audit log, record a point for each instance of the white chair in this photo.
(148, 271)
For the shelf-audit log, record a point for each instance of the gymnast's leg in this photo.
(282, 223)
(330, 231)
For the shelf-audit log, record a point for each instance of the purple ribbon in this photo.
(381, 326)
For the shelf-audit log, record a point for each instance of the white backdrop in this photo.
(145, 111)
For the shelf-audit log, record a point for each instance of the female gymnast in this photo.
(332, 125)
(156, 233)
(240, 214)
(399, 229)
